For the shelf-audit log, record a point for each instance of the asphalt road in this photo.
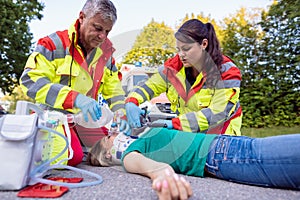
(119, 185)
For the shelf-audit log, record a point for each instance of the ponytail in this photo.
(213, 48)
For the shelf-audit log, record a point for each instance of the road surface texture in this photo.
(119, 185)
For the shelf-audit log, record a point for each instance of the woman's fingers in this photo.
(171, 186)
(179, 187)
(165, 191)
(182, 190)
(187, 186)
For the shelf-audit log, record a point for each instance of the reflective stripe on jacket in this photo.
(202, 109)
(58, 57)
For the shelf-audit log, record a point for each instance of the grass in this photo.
(264, 132)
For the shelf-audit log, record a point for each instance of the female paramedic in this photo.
(202, 85)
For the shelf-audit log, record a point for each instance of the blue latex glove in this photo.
(87, 106)
(162, 123)
(133, 113)
(124, 127)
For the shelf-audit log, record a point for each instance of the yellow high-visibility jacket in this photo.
(201, 108)
(57, 71)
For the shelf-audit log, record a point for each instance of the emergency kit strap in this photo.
(63, 118)
(68, 133)
(34, 175)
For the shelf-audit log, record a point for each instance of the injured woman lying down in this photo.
(162, 154)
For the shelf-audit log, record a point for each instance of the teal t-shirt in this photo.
(186, 152)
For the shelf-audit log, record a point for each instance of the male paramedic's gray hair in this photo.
(103, 7)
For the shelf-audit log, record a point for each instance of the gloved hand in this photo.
(162, 123)
(133, 113)
(124, 127)
(87, 106)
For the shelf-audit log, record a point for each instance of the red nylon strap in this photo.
(221, 128)
(175, 81)
(179, 86)
(195, 89)
(79, 58)
(107, 51)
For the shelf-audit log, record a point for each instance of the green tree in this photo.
(280, 61)
(156, 35)
(15, 38)
(265, 46)
(241, 40)
(241, 36)
(154, 45)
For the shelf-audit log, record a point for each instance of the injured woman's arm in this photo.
(165, 181)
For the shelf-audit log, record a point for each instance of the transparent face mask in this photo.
(120, 144)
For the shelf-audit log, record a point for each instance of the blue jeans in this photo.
(271, 161)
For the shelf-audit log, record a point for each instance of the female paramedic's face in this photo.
(93, 31)
(191, 54)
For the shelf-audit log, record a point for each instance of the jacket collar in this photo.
(174, 63)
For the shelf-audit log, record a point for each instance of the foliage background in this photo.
(265, 45)
(15, 39)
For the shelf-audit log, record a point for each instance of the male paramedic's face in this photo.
(93, 31)
(190, 53)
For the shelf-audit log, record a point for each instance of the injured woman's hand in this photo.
(169, 185)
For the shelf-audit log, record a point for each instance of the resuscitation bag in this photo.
(25, 149)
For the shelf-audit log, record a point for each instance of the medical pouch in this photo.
(26, 146)
(22, 148)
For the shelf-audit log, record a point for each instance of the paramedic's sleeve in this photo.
(36, 83)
